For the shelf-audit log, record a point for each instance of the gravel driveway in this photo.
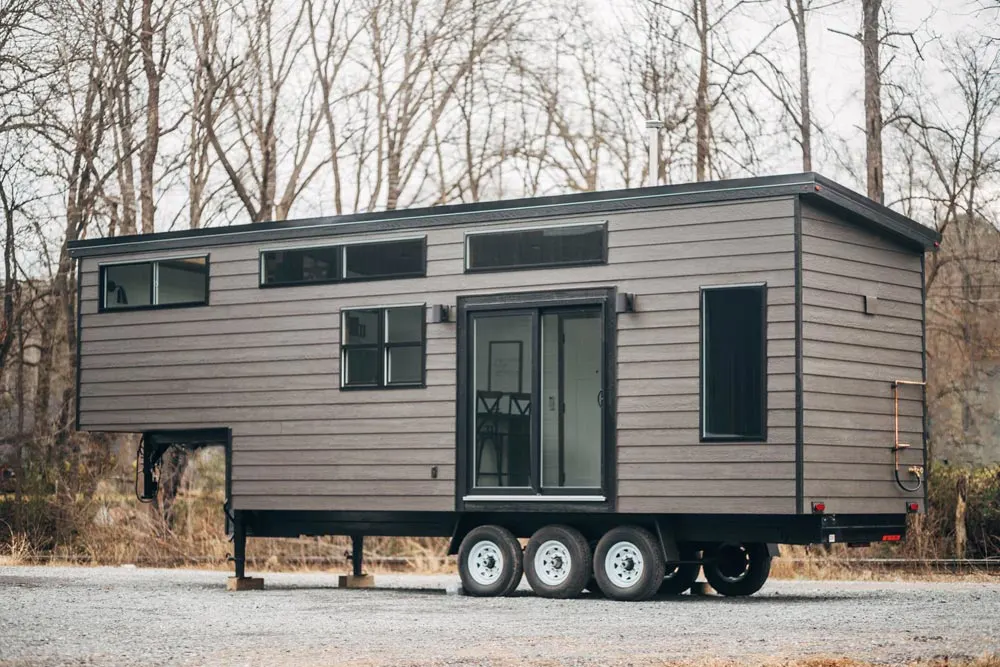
(123, 616)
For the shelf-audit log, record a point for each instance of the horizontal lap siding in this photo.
(850, 360)
(265, 362)
(662, 465)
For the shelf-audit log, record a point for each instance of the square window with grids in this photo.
(382, 347)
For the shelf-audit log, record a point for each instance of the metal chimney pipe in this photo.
(654, 126)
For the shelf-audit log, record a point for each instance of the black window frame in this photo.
(705, 436)
(342, 249)
(469, 497)
(295, 283)
(467, 256)
(422, 272)
(383, 347)
(102, 306)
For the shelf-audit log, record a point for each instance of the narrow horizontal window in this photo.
(383, 347)
(565, 245)
(734, 364)
(301, 266)
(164, 283)
(354, 262)
(389, 259)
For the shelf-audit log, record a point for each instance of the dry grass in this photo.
(17, 550)
(821, 563)
(111, 528)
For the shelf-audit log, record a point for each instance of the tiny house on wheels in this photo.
(643, 383)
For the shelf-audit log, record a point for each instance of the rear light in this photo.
(819, 508)
(891, 538)
(913, 507)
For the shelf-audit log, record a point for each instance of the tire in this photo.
(737, 569)
(628, 564)
(557, 562)
(680, 576)
(489, 562)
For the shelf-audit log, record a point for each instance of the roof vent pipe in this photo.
(654, 126)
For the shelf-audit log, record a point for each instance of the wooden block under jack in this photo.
(701, 588)
(353, 581)
(244, 584)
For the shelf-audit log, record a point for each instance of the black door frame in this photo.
(467, 498)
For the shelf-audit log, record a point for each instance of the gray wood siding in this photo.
(850, 360)
(265, 362)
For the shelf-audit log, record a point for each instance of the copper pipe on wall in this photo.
(897, 445)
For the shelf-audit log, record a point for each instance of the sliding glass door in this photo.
(572, 399)
(537, 401)
(502, 392)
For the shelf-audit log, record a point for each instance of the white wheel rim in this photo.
(553, 563)
(485, 563)
(624, 564)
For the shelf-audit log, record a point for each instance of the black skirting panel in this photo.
(784, 529)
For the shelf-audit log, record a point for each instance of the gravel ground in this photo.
(127, 616)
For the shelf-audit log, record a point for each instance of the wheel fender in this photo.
(773, 550)
(458, 533)
(668, 544)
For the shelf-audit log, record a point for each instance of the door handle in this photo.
(600, 398)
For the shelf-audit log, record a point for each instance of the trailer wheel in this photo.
(629, 564)
(680, 576)
(489, 562)
(737, 569)
(557, 562)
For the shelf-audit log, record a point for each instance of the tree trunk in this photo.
(150, 146)
(873, 98)
(701, 111)
(43, 389)
(961, 535)
(7, 326)
(805, 105)
(172, 468)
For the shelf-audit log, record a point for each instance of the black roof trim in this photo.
(588, 203)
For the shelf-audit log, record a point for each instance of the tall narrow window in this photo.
(161, 283)
(382, 347)
(734, 364)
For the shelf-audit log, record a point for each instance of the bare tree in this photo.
(154, 24)
(955, 147)
(721, 69)
(245, 105)
(657, 85)
(571, 96)
(870, 44)
(797, 12)
(88, 66)
(420, 53)
(873, 37)
(203, 84)
(332, 34)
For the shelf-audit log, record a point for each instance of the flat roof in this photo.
(814, 187)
